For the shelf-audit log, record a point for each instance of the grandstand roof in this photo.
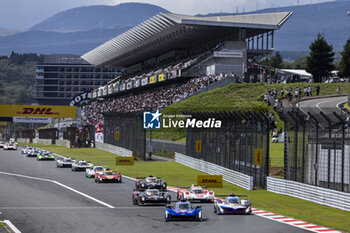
(166, 31)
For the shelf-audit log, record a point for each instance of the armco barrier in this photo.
(23, 140)
(114, 149)
(308, 192)
(63, 142)
(230, 176)
(42, 141)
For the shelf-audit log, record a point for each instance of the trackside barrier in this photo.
(23, 140)
(230, 176)
(63, 142)
(114, 149)
(323, 196)
(42, 141)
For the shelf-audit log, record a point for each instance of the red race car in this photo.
(108, 176)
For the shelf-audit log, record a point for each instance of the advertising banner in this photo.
(152, 79)
(144, 82)
(161, 77)
(45, 120)
(211, 181)
(124, 160)
(38, 111)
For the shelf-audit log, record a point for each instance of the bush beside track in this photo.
(262, 199)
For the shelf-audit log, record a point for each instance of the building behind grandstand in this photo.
(60, 77)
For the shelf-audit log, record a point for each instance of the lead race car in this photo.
(183, 210)
(232, 205)
(10, 146)
(33, 153)
(81, 165)
(195, 193)
(151, 197)
(108, 176)
(150, 182)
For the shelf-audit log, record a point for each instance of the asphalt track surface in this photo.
(42, 206)
(326, 105)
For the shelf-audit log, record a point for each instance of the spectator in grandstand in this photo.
(153, 99)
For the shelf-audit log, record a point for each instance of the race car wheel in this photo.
(215, 210)
(199, 217)
(134, 202)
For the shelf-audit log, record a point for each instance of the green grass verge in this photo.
(276, 154)
(237, 97)
(262, 199)
(347, 106)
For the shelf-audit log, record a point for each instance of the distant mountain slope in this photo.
(7, 32)
(93, 17)
(53, 42)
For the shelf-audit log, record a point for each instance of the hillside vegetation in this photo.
(17, 78)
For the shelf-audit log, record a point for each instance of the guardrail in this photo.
(167, 146)
(63, 142)
(230, 176)
(323, 196)
(42, 141)
(23, 140)
(114, 149)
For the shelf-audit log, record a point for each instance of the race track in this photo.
(33, 202)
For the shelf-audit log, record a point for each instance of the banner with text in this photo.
(38, 111)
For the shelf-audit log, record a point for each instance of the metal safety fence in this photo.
(125, 130)
(228, 175)
(240, 144)
(317, 148)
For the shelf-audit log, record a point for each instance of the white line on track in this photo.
(62, 185)
(13, 228)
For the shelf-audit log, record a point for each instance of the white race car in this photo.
(64, 162)
(91, 172)
(232, 205)
(195, 193)
(10, 146)
(81, 165)
(26, 149)
(2, 144)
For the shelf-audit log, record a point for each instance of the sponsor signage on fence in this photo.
(152, 79)
(198, 146)
(211, 181)
(38, 111)
(117, 135)
(45, 120)
(228, 53)
(124, 160)
(258, 157)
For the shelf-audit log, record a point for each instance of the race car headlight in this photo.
(142, 198)
(247, 210)
(143, 185)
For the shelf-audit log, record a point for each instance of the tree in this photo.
(277, 60)
(344, 68)
(319, 62)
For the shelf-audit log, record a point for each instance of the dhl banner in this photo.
(211, 181)
(38, 111)
(124, 160)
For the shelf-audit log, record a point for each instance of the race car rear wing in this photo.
(231, 195)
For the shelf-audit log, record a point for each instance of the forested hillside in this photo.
(17, 75)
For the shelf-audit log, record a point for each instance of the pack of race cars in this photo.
(153, 190)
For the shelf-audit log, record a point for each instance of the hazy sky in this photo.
(22, 14)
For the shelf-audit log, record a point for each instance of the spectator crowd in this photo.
(152, 99)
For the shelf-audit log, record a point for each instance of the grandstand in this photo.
(170, 51)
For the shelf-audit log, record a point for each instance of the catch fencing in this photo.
(230, 176)
(114, 149)
(323, 196)
(163, 146)
(125, 130)
(234, 144)
(317, 148)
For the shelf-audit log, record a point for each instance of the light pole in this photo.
(270, 78)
